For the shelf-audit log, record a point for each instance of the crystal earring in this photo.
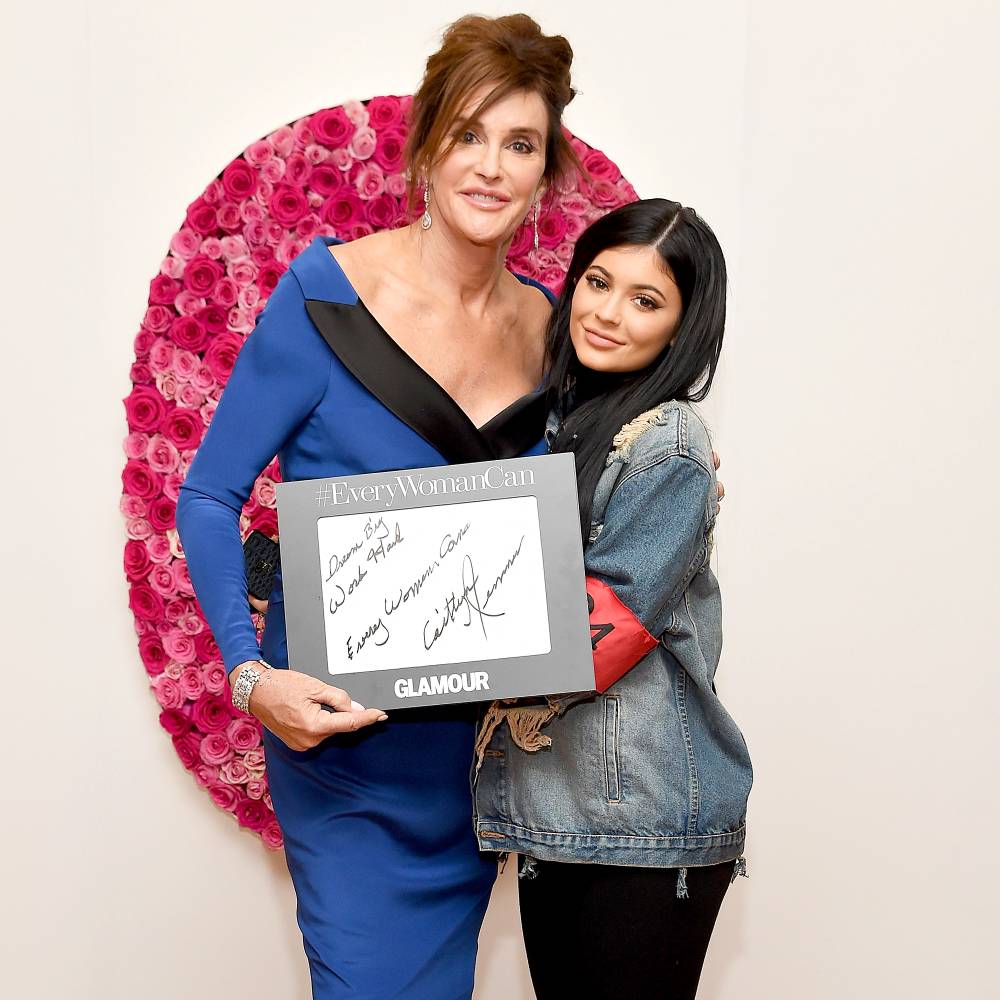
(536, 225)
(425, 220)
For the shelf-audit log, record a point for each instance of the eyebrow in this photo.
(517, 130)
(650, 288)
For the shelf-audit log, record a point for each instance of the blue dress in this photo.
(390, 885)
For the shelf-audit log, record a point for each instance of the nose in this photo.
(608, 311)
(489, 162)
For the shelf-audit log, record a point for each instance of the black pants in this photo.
(602, 931)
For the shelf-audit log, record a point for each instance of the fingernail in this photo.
(357, 706)
(383, 717)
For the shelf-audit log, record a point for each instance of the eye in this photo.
(468, 137)
(645, 302)
(597, 282)
(522, 146)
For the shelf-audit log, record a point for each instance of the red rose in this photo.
(144, 340)
(187, 332)
(342, 209)
(383, 112)
(163, 290)
(265, 519)
(253, 815)
(551, 229)
(599, 166)
(162, 511)
(521, 243)
(268, 276)
(331, 127)
(186, 746)
(239, 180)
(154, 656)
(288, 204)
(261, 255)
(183, 428)
(389, 151)
(211, 714)
(212, 318)
(201, 275)
(140, 374)
(144, 409)
(145, 602)
(174, 721)
(140, 481)
(137, 561)
(383, 212)
(224, 796)
(221, 355)
(201, 217)
(326, 179)
(206, 648)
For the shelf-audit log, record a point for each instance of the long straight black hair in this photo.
(594, 406)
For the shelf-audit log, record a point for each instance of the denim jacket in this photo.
(653, 772)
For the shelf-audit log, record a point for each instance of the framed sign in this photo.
(448, 584)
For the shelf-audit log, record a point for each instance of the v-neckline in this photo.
(408, 360)
(409, 391)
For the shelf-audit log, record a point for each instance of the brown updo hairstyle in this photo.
(512, 54)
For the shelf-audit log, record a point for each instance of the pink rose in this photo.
(307, 226)
(185, 243)
(172, 483)
(575, 226)
(186, 363)
(135, 446)
(271, 836)
(551, 229)
(287, 250)
(243, 734)
(182, 428)
(602, 193)
(282, 140)
(211, 247)
(214, 675)
(553, 278)
(212, 318)
(154, 658)
(234, 248)
(205, 774)
(175, 722)
(158, 548)
(163, 290)
(356, 113)
(162, 512)
(254, 759)
(186, 746)
(221, 356)
(389, 148)
(137, 561)
(161, 580)
(224, 796)
(174, 609)
(341, 159)
(202, 274)
(256, 788)
(167, 691)
(264, 492)
(182, 578)
(370, 181)
(598, 165)
(207, 410)
(326, 179)
(211, 714)
(521, 244)
(383, 212)
(316, 154)
(138, 528)
(139, 480)
(180, 647)
(303, 134)
(190, 623)
(140, 373)
(239, 180)
(234, 772)
(297, 170)
(272, 170)
(331, 127)
(161, 454)
(384, 112)
(143, 341)
(269, 275)
(192, 683)
(187, 303)
(201, 216)
(259, 152)
(157, 318)
(228, 217)
(132, 506)
(252, 814)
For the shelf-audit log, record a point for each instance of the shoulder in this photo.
(536, 293)
(671, 429)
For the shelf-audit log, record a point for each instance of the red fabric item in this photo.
(619, 640)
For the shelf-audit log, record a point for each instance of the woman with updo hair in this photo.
(408, 348)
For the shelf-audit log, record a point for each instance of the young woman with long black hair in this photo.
(628, 805)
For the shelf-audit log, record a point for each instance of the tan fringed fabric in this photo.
(525, 723)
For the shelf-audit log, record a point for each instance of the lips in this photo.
(601, 339)
(485, 198)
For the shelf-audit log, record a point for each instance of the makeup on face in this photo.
(626, 309)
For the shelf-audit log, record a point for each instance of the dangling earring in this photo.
(536, 225)
(425, 220)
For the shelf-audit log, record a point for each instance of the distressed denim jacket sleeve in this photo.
(655, 533)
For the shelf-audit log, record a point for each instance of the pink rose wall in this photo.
(336, 172)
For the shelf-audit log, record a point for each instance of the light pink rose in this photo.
(168, 692)
(229, 217)
(244, 272)
(271, 836)
(214, 192)
(283, 140)
(190, 623)
(215, 677)
(157, 319)
(341, 159)
(259, 152)
(190, 397)
(564, 254)
(162, 581)
(208, 410)
(273, 170)
(179, 645)
(185, 243)
(243, 734)
(182, 579)
(363, 144)
(215, 749)
(370, 181)
(172, 484)
(211, 247)
(132, 506)
(553, 278)
(185, 364)
(306, 227)
(297, 170)
(166, 383)
(205, 774)
(573, 203)
(234, 772)
(252, 210)
(239, 320)
(248, 297)
(173, 670)
(191, 683)
(254, 759)
(395, 184)
(256, 788)
(158, 548)
(187, 303)
(304, 135)
(316, 154)
(575, 226)
(266, 191)
(234, 248)
(161, 454)
(135, 445)
(264, 492)
(171, 266)
(255, 232)
(161, 354)
(356, 113)
(138, 528)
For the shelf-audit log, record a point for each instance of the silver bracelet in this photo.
(245, 683)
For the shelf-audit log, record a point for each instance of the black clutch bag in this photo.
(262, 557)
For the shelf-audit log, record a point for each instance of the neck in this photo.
(455, 269)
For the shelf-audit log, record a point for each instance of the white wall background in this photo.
(847, 155)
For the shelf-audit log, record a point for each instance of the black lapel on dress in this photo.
(397, 381)
(514, 430)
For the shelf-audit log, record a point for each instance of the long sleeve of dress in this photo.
(280, 375)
